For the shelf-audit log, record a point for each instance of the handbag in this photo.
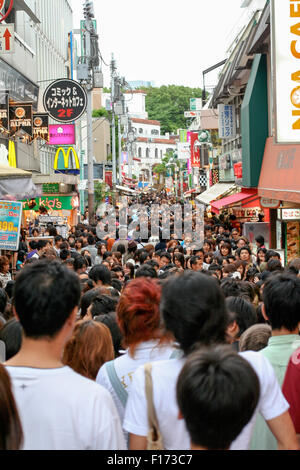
(154, 438)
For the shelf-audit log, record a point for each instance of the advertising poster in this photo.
(10, 225)
(63, 134)
(41, 126)
(20, 118)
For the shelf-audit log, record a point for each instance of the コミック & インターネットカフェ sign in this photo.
(65, 100)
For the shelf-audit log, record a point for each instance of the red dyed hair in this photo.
(138, 312)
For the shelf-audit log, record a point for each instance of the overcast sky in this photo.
(165, 41)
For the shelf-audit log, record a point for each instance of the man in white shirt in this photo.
(193, 309)
(59, 409)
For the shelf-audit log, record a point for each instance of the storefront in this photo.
(279, 182)
(53, 207)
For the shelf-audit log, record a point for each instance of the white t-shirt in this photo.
(62, 410)
(175, 436)
(126, 365)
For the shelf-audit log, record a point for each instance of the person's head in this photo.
(89, 348)
(244, 254)
(179, 260)
(138, 312)
(146, 271)
(274, 265)
(100, 275)
(217, 394)
(242, 315)
(80, 264)
(200, 296)
(165, 259)
(228, 270)
(240, 266)
(255, 338)
(101, 304)
(225, 249)
(196, 263)
(11, 335)
(91, 240)
(260, 241)
(235, 235)
(261, 255)
(11, 432)
(281, 302)
(58, 241)
(46, 298)
(101, 249)
(271, 254)
(208, 246)
(3, 300)
(4, 264)
(110, 320)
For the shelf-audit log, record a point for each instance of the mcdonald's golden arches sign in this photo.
(66, 161)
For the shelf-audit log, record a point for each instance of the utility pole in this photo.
(89, 74)
(113, 122)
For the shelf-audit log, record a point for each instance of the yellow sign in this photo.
(66, 154)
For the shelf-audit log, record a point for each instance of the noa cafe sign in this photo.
(286, 52)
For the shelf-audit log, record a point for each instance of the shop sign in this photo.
(184, 151)
(62, 134)
(245, 213)
(269, 203)
(50, 188)
(290, 214)
(67, 161)
(4, 112)
(50, 203)
(227, 121)
(195, 151)
(5, 13)
(41, 126)
(285, 38)
(20, 118)
(10, 225)
(65, 100)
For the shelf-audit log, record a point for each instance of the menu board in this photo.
(292, 240)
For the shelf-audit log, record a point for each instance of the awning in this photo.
(215, 192)
(279, 177)
(16, 184)
(242, 198)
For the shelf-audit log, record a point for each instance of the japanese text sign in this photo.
(10, 225)
(227, 123)
(65, 100)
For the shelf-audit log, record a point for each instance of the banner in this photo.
(195, 151)
(41, 126)
(227, 121)
(10, 225)
(4, 112)
(20, 118)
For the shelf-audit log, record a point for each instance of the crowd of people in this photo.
(84, 317)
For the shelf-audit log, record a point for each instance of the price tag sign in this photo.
(10, 225)
(65, 100)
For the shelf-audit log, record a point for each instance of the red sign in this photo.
(3, 15)
(195, 151)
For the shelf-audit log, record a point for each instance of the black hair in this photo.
(33, 244)
(100, 273)
(281, 297)
(45, 294)
(242, 312)
(272, 253)
(238, 252)
(217, 394)
(9, 289)
(110, 320)
(121, 249)
(193, 310)
(260, 239)
(64, 254)
(274, 265)
(179, 257)
(143, 256)
(193, 260)
(11, 335)
(3, 300)
(41, 244)
(146, 271)
(165, 254)
(79, 262)
(106, 255)
(103, 303)
(117, 284)
(87, 299)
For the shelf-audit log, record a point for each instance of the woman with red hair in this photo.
(139, 321)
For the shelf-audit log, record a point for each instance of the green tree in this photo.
(167, 104)
(100, 193)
